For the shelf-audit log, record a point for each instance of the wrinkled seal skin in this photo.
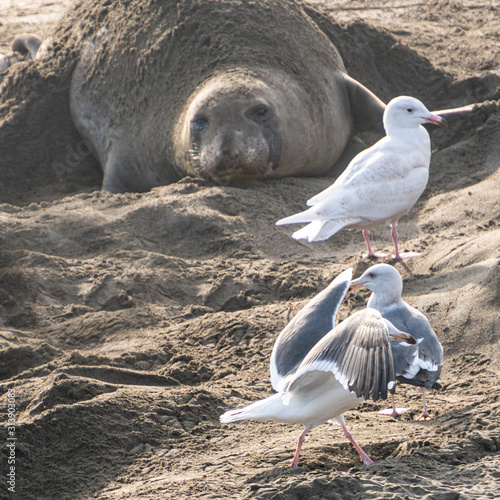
(217, 89)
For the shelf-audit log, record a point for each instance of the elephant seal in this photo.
(240, 126)
(26, 44)
(23, 47)
(216, 89)
(135, 94)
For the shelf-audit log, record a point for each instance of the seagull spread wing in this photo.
(306, 329)
(356, 352)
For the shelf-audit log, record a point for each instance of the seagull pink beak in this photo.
(435, 120)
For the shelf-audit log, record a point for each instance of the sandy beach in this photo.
(130, 322)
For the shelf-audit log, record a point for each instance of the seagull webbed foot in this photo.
(406, 255)
(392, 412)
(373, 255)
(424, 417)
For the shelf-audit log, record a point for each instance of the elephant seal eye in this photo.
(199, 123)
(261, 111)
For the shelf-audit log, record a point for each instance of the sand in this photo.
(129, 323)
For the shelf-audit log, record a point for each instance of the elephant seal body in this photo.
(223, 89)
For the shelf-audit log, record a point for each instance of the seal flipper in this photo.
(112, 180)
(367, 109)
(122, 173)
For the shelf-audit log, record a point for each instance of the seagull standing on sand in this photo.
(419, 364)
(349, 364)
(381, 183)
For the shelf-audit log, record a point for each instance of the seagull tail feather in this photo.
(306, 216)
(265, 409)
(320, 230)
(309, 232)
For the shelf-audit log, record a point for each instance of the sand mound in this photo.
(130, 322)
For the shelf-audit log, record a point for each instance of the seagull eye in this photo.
(199, 123)
(371, 275)
(410, 110)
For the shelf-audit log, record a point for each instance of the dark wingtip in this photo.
(403, 337)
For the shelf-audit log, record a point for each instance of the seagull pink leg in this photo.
(425, 414)
(366, 236)
(364, 457)
(302, 438)
(392, 412)
(397, 255)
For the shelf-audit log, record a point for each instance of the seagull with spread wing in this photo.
(320, 378)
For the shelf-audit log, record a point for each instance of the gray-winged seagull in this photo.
(420, 364)
(351, 363)
(381, 183)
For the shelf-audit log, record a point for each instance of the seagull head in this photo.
(381, 279)
(405, 112)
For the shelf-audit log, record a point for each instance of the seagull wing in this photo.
(357, 164)
(306, 329)
(357, 353)
(428, 354)
(381, 187)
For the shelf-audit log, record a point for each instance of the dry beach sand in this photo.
(129, 323)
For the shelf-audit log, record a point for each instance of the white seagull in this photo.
(419, 364)
(349, 364)
(381, 183)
